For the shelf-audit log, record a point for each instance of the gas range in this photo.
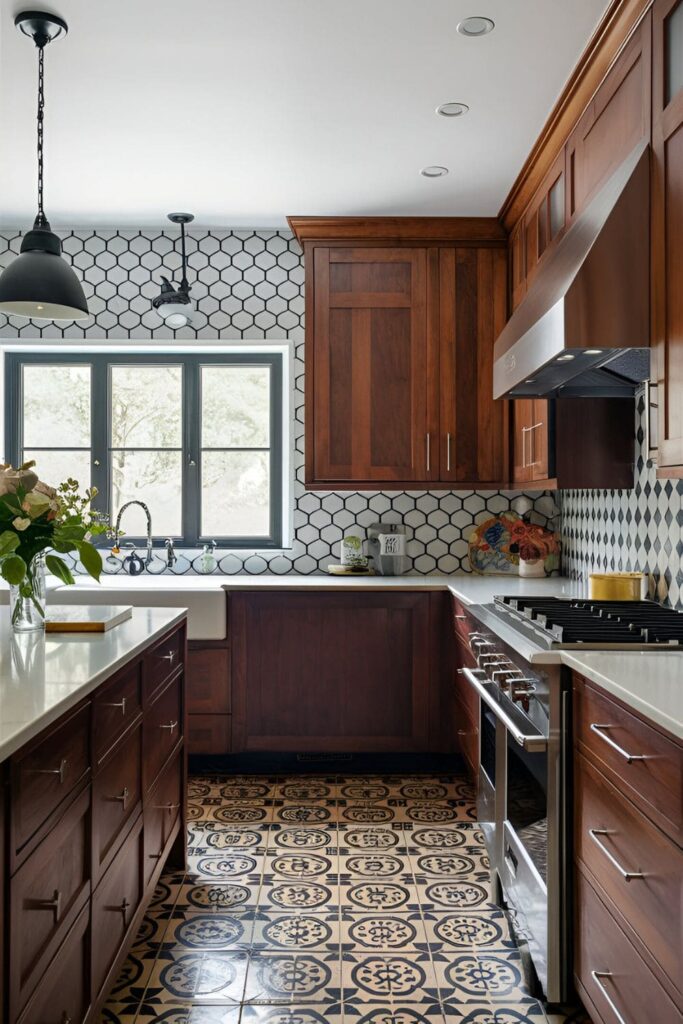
(555, 623)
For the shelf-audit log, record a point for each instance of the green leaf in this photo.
(59, 568)
(9, 542)
(13, 569)
(63, 546)
(91, 559)
(12, 502)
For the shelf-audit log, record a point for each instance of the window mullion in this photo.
(191, 452)
(99, 431)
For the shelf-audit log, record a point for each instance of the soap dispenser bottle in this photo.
(207, 559)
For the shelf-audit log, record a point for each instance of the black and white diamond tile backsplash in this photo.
(250, 286)
(628, 531)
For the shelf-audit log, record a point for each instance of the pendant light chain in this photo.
(41, 118)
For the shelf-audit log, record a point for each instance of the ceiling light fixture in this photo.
(174, 305)
(476, 26)
(566, 358)
(434, 171)
(593, 351)
(452, 109)
(39, 284)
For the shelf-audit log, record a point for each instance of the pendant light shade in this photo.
(39, 283)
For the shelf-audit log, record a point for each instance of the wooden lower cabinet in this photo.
(209, 697)
(76, 879)
(628, 864)
(339, 672)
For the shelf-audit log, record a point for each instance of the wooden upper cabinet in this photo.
(533, 440)
(545, 219)
(667, 229)
(517, 265)
(369, 381)
(616, 119)
(472, 312)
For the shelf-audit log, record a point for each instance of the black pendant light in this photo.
(39, 284)
(174, 305)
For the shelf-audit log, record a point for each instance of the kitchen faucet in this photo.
(148, 517)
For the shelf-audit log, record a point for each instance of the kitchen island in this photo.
(92, 804)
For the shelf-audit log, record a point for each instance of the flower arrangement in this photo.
(36, 518)
(505, 543)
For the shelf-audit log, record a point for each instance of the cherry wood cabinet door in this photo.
(667, 229)
(333, 672)
(617, 118)
(367, 417)
(472, 312)
(523, 417)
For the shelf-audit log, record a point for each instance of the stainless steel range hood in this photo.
(583, 328)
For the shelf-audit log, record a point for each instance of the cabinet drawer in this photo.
(467, 735)
(47, 773)
(464, 691)
(208, 681)
(459, 620)
(625, 991)
(46, 895)
(64, 992)
(209, 734)
(116, 792)
(647, 767)
(162, 808)
(161, 731)
(161, 661)
(114, 708)
(650, 905)
(114, 905)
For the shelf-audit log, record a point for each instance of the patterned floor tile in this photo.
(204, 862)
(470, 930)
(317, 812)
(293, 977)
(366, 813)
(289, 895)
(390, 1013)
(387, 839)
(456, 893)
(296, 1013)
(449, 864)
(166, 892)
(301, 837)
(388, 976)
(216, 896)
(301, 865)
(493, 977)
(382, 932)
(490, 1013)
(223, 837)
(151, 932)
(367, 894)
(305, 789)
(299, 931)
(180, 975)
(461, 836)
(363, 790)
(188, 1014)
(132, 980)
(211, 931)
(375, 865)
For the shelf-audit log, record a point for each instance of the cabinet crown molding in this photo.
(394, 230)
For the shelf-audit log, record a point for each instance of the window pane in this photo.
(147, 406)
(56, 410)
(674, 53)
(156, 479)
(235, 406)
(54, 468)
(235, 494)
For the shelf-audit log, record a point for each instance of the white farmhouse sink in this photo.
(203, 596)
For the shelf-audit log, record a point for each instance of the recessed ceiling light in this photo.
(434, 171)
(476, 26)
(593, 351)
(452, 109)
(567, 357)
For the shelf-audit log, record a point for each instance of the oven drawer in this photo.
(610, 975)
(655, 783)
(650, 905)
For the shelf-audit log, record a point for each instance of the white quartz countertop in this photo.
(650, 682)
(42, 676)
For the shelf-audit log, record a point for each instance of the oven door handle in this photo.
(534, 744)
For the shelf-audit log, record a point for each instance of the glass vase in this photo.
(27, 600)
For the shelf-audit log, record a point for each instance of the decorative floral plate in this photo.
(496, 544)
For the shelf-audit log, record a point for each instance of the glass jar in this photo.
(27, 600)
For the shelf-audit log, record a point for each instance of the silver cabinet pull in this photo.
(118, 704)
(55, 905)
(170, 657)
(525, 431)
(629, 758)
(626, 875)
(123, 797)
(597, 977)
(532, 446)
(459, 616)
(448, 452)
(169, 808)
(120, 908)
(429, 451)
(170, 726)
(61, 771)
(66, 1018)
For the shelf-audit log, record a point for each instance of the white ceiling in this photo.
(243, 111)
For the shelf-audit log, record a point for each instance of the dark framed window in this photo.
(197, 437)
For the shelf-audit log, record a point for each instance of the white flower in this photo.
(21, 524)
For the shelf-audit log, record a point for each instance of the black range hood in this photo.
(583, 328)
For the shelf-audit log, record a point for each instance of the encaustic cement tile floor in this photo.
(327, 900)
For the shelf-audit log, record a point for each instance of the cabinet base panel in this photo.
(293, 764)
